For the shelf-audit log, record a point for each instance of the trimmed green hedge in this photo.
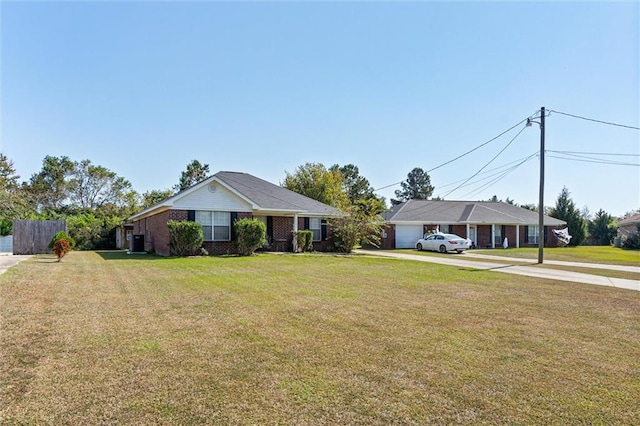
(251, 234)
(185, 237)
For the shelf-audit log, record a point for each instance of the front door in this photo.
(472, 236)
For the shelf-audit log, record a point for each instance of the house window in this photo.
(215, 225)
(497, 235)
(532, 234)
(445, 229)
(315, 225)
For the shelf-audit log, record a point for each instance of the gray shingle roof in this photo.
(273, 197)
(451, 212)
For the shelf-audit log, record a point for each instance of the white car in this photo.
(443, 243)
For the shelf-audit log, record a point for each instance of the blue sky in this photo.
(143, 88)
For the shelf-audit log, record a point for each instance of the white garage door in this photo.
(407, 235)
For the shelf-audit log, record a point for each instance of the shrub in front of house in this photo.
(60, 236)
(305, 240)
(251, 234)
(185, 237)
(61, 244)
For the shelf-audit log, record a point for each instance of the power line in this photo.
(594, 153)
(502, 175)
(593, 119)
(489, 162)
(461, 155)
(597, 161)
(504, 167)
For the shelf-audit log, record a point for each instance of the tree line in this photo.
(95, 200)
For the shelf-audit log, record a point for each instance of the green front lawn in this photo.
(309, 339)
(588, 254)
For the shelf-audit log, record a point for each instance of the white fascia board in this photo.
(158, 208)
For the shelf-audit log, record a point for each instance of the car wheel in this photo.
(419, 247)
(443, 249)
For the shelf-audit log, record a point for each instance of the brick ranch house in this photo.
(485, 223)
(219, 200)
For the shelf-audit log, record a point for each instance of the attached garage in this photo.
(407, 235)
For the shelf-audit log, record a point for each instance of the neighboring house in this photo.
(485, 223)
(218, 201)
(629, 226)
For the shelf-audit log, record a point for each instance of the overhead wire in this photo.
(597, 161)
(593, 119)
(461, 155)
(489, 162)
(593, 153)
(499, 178)
(504, 166)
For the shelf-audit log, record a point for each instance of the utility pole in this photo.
(541, 195)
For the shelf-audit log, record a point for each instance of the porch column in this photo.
(517, 236)
(493, 235)
(295, 229)
(468, 237)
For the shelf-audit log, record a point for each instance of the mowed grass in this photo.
(304, 339)
(588, 254)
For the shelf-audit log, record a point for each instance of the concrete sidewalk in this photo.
(624, 268)
(531, 271)
(7, 260)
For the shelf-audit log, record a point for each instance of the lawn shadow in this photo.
(486, 269)
(125, 255)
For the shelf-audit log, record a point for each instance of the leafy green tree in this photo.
(565, 209)
(355, 228)
(153, 197)
(358, 190)
(49, 187)
(416, 187)
(195, 172)
(8, 176)
(13, 199)
(93, 187)
(315, 181)
(602, 228)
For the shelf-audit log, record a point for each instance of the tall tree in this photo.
(154, 196)
(315, 181)
(416, 187)
(49, 187)
(196, 172)
(358, 190)
(8, 176)
(13, 203)
(602, 228)
(565, 209)
(93, 187)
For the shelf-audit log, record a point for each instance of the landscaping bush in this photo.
(6, 227)
(185, 237)
(251, 234)
(61, 235)
(61, 244)
(61, 247)
(305, 240)
(355, 228)
(91, 232)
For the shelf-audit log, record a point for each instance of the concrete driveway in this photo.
(531, 271)
(7, 260)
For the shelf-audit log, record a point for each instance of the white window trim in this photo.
(319, 228)
(533, 238)
(213, 225)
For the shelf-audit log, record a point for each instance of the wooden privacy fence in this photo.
(33, 236)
